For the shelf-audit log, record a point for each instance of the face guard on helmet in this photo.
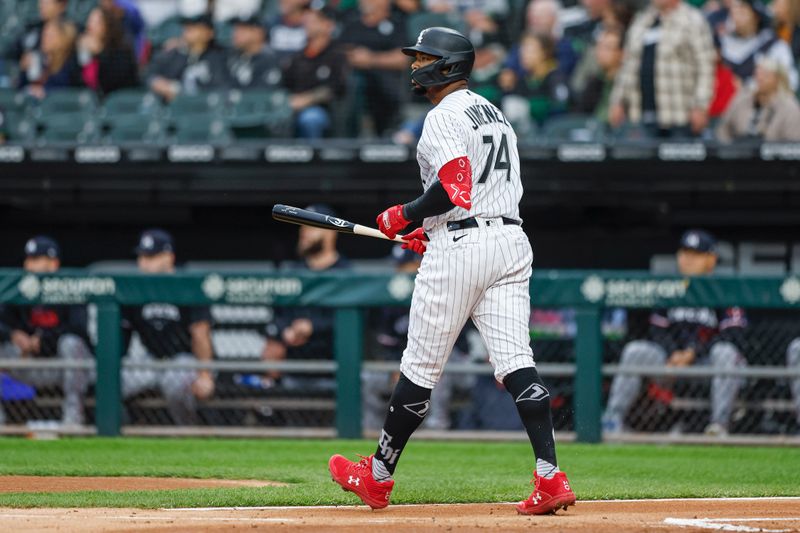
(456, 57)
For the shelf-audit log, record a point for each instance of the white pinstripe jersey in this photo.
(465, 123)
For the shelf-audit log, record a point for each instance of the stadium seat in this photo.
(66, 101)
(131, 102)
(203, 103)
(69, 127)
(201, 128)
(223, 33)
(78, 10)
(13, 101)
(165, 31)
(419, 21)
(573, 128)
(135, 129)
(18, 127)
(260, 114)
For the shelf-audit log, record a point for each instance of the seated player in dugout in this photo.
(306, 332)
(47, 332)
(181, 334)
(477, 263)
(683, 336)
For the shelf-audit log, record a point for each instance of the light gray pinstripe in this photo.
(485, 274)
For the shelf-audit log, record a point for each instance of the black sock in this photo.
(533, 403)
(407, 408)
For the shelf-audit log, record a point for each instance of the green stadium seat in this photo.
(203, 103)
(135, 129)
(260, 113)
(201, 128)
(69, 128)
(17, 127)
(78, 10)
(13, 101)
(573, 128)
(130, 102)
(61, 101)
(165, 31)
(223, 34)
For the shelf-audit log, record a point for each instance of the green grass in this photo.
(429, 472)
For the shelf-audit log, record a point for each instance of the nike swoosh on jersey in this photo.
(456, 239)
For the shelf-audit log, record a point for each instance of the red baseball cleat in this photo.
(549, 496)
(357, 478)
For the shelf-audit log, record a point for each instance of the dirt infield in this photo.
(769, 515)
(119, 484)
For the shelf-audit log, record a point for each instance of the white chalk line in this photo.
(722, 524)
(274, 520)
(300, 507)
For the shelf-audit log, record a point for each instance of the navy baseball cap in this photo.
(154, 241)
(200, 18)
(402, 257)
(42, 245)
(699, 241)
(322, 209)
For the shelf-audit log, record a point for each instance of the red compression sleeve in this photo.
(456, 178)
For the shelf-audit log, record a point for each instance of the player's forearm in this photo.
(201, 341)
(432, 203)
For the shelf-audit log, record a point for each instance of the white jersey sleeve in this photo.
(443, 139)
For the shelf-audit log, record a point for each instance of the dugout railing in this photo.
(587, 294)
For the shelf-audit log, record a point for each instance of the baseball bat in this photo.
(304, 217)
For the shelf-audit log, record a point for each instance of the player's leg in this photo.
(176, 386)
(503, 316)
(75, 381)
(440, 305)
(793, 362)
(625, 387)
(724, 389)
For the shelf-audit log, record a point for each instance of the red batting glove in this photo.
(417, 241)
(392, 221)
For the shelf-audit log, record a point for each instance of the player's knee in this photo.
(528, 391)
(793, 353)
(725, 354)
(637, 353)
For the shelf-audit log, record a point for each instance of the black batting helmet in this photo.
(456, 52)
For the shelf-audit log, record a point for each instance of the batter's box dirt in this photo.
(749, 514)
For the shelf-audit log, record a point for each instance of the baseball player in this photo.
(476, 264)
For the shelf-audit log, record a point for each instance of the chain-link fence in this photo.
(684, 371)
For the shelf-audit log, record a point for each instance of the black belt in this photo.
(468, 223)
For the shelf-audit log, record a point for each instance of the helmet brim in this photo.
(412, 51)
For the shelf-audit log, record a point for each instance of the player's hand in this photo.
(417, 241)
(681, 358)
(616, 115)
(698, 119)
(21, 340)
(203, 386)
(392, 221)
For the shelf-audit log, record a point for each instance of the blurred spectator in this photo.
(683, 336)
(306, 332)
(391, 331)
(167, 332)
(752, 37)
(489, 61)
(793, 362)
(725, 84)
(769, 111)
(585, 34)
(542, 17)
(56, 65)
(375, 36)
(31, 38)
(107, 59)
(156, 12)
(316, 76)
(132, 23)
(252, 63)
(786, 16)
(47, 332)
(197, 64)
(486, 21)
(595, 97)
(667, 76)
(542, 86)
(3, 126)
(287, 34)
